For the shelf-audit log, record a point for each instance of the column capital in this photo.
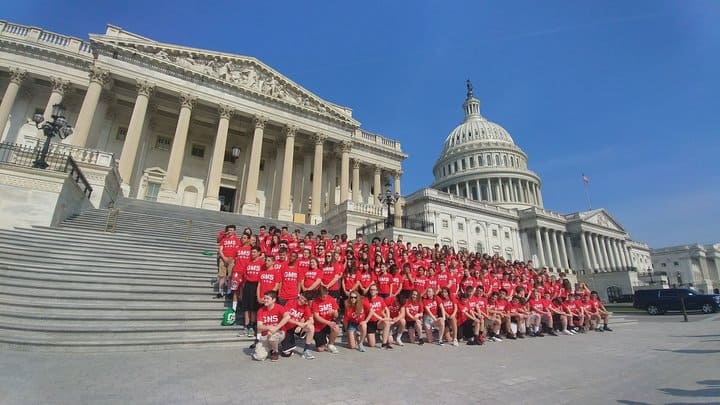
(260, 121)
(59, 85)
(397, 173)
(290, 131)
(17, 75)
(378, 169)
(345, 146)
(100, 76)
(319, 138)
(145, 88)
(356, 163)
(226, 111)
(187, 100)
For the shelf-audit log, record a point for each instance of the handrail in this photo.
(79, 178)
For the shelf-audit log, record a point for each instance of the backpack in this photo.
(228, 318)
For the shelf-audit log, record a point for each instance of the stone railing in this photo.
(431, 192)
(361, 208)
(34, 34)
(376, 139)
(81, 155)
(544, 212)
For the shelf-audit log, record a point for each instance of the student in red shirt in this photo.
(414, 310)
(311, 280)
(251, 277)
(366, 278)
(397, 319)
(325, 311)
(227, 248)
(599, 312)
(355, 321)
(571, 306)
(377, 316)
(421, 281)
(433, 317)
(272, 318)
(299, 326)
(269, 279)
(560, 316)
(468, 321)
(517, 313)
(289, 277)
(448, 308)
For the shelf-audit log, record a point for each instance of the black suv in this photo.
(658, 301)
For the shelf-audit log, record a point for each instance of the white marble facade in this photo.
(696, 266)
(172, 115)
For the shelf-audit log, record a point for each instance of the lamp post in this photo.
(235, 151)
(389, 199)
(57, 127)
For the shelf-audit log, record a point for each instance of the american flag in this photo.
(585, 179)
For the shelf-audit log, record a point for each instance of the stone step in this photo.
(105, 288)
(100, 328)
(123, 294)
(90, 262)
(98, 304)
(58, 240)
(33, 314)
(21, 274)
(144, 271)
(155, 240)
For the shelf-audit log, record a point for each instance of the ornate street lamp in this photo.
(389, 200)
(57, 127)
(235, 152)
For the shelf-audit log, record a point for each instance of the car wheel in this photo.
(653, 310)
(708, 309)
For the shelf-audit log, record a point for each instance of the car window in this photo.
(669, 293)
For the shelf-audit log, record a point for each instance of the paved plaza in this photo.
(656, 360)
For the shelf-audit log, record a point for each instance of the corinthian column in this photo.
(345, 148)
(316, 204)
(16, 78)
(212, 190)
(177, 152)
(541, 253)
(98, 78)
(356, 192)
(134, 132)
(377, 187)
(59, 87)
(285, 211)
(250, 206)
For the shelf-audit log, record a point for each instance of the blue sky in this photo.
(624, 91)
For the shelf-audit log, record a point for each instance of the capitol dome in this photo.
(480, 161)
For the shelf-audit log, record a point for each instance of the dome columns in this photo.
(503, 190)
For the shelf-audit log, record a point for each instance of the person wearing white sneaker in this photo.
(325, 311)
(413, 310)
(433, 316)
(560, 315)
(397, 315)
(354, 321)
(448, 307)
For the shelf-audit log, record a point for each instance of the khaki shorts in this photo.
(225, 269)
(262, 349)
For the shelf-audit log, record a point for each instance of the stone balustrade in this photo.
(81, 155)
(378, 140)
(33, 34)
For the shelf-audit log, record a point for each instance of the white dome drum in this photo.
(480, 161)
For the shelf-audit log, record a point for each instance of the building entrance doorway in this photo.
(227, 199)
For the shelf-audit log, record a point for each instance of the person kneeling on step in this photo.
(271, 319)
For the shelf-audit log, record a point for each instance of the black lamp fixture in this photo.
(235, 150)
(57, 127)
(389, 199)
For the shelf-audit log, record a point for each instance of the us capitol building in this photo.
(217, 131)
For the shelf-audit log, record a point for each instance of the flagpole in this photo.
(586, 182)
(587, 195)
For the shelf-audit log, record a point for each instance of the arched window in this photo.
(456, 166)
(505, 160)
(497, 160)
(463, 164)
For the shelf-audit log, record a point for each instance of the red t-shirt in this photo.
(289, 287)
(421, 284)
(298, 313)
(448, 305)
(393, 306)
(443, 279)
(431, 305)
(501, 305)
(329, 272)
(268, 280)
(230, 246)
(242, 256)
(366, 279)
(353, 315)
(310, 276)
(383, 282)
(252, 270)
(537, 305)
(412, 309)
(377, 304)
(325, 308)
(270, 317)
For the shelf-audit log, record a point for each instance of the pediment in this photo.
(602, 218)
(237, 71)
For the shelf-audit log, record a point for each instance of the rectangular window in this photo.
(197, 150)
(152, 191)
(494, 232)
(121, 134)
(461, 226)
(445, 223)
(472, 161)
(163, 143)
(507, 235)
(462, 162)
(676, 264)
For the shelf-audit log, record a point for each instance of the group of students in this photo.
(305, 289)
